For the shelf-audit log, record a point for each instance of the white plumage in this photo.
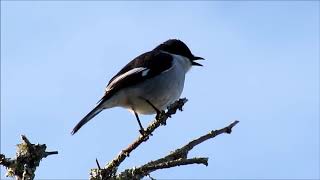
(149, 83)
(161, 90)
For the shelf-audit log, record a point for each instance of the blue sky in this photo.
(262, 68)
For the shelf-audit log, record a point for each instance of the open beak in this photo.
(196, 58)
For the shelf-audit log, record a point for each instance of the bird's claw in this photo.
(142, 132)
(160, 114)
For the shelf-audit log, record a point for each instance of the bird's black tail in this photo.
(87, 118)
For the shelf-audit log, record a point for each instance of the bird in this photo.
(149, 83)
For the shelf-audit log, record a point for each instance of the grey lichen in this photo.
(28, 157)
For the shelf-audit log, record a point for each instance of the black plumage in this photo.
(154, 61)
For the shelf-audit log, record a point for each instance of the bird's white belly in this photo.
(161, 91)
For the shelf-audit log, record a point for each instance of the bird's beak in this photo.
(196, 58)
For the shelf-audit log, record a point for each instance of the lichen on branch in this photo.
(28, 157)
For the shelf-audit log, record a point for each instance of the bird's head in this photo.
(178, 47)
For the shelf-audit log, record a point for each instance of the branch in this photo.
(110, 169)
(183, 152)
(27, 159)
(145, 170)
(176, 158)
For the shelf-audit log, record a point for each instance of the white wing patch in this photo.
(128, 73)
(145, 72)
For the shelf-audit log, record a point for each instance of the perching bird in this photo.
(149, 83)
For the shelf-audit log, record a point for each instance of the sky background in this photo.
(262, 68)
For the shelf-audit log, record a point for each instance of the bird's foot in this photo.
(142, 132)
(160, 114)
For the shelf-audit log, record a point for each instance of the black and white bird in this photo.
(149, 83)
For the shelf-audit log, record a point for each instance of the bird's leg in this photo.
(159, 113)
(141, 127)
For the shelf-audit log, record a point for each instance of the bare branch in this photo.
(111, 168)
(175, 158)
(27, 159)
(145, 170)
(183, 152)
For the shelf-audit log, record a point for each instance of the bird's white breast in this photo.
(160, 90)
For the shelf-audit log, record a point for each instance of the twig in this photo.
(176, 158)
(145, 170)
(183, 152)
(27, 159)
(111, 168)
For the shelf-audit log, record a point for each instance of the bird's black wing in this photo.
(143, 67)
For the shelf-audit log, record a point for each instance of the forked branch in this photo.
(176, 158)
(110, 169)
(27, 159)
